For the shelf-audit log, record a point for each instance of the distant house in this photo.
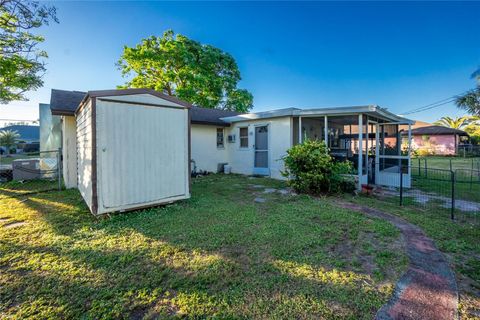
(27, 133)
(437, 140)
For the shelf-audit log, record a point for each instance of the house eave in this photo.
(334, 111)
(211, 123)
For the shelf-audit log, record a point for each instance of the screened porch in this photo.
(371, 141)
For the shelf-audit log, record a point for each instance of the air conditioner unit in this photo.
(231, 138)
(26, 169)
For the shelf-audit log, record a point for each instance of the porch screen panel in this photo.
(390, 140)
(313, 128)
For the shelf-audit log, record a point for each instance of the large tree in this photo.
(22, 63)
(471, 100)
(178, 66)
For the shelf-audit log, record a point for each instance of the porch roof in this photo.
(372, 110)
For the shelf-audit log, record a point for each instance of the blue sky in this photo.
(302, 54)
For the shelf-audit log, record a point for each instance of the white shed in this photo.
(132, 149)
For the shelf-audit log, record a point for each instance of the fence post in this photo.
(401, 186)
(419, 172)
(471, 176)
(426, 168)
(452, 210)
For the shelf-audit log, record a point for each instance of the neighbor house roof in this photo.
(334, 111)
(437, 130)
(64, 102)
(26, 132)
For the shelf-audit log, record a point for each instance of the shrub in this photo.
(310, 169)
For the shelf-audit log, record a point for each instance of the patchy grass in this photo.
(21, 188)
(458, 240)
(219, 254)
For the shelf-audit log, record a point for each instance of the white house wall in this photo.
(142, 155)
(279, 141)
(84, 152)
(69, 151)
(204, 147)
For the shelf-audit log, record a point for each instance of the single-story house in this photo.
(251, 144)
(437, 140)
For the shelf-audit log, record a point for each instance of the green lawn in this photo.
(436, 177)
(458, 240)
(219, 254)
(444, 162)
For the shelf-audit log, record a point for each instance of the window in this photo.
(220, 138)
(243, 137)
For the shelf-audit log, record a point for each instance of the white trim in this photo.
(300, 132)
(377, 152)
(325, 130)
(360, 151)
(393, 157)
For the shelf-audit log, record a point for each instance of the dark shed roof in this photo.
(437, 130)
(63, 102)
(211, 116)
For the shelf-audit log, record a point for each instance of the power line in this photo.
(435, 104)
(20, 120)
(431, 106)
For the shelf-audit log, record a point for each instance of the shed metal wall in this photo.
(142, 154)
(84, 152)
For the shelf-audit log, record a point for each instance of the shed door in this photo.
(261, 151)
(143, 154)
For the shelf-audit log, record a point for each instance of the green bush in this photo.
(310, 169)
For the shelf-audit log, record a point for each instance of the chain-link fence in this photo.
(41, 169)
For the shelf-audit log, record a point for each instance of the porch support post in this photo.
(409, 148)
(325, 130)
(377, 152)
(360, 151)
(366, 148)
(300, 138)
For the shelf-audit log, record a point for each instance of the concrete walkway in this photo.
(428, 289)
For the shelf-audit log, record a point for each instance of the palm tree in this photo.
(470, 101)
(455, 123)
(8, 138)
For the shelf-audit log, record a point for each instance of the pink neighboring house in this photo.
(438, 140)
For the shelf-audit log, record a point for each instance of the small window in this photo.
(243, 137)
(220, 138)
